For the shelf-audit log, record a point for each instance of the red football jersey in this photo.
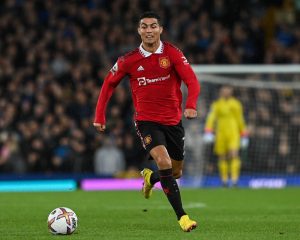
(155, 80)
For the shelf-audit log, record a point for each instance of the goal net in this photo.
(270, 95)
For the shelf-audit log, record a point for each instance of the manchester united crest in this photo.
(164, 62)
(147, 140)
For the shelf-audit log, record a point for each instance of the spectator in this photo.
(50, 76)
(109, 160)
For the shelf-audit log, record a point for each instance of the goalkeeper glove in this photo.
(244, 139)
(208, 137)
(244, 142)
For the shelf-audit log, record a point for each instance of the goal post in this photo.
(270, 95)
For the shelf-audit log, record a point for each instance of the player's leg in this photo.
(185, 222)
(223, 169)
(152, 177)
(167, 181)
(170, 186)
(234, 159)
(235, 166)
(153, 137)
(150, 136)
(177, 167)
(175, 147)
(223, 166)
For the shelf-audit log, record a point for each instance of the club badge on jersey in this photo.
(147, 139)
(164, 62)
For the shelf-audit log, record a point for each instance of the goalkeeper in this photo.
(225, 126)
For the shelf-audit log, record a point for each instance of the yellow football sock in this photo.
(223, 170)
(235, 168)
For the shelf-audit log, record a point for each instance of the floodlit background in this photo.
(55, 54)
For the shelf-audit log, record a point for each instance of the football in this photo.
(62, 220)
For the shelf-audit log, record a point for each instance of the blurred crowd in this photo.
(55, 54)
(274, 126)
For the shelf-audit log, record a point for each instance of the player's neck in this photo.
(151, 47)
(226, 97)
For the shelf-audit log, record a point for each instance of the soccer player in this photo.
(226, 122)
(156, 70)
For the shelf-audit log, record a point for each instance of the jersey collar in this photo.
(147, 54)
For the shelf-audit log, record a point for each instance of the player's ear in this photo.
(139, 30)
(161, 29)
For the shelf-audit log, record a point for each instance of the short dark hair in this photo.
(150, 14)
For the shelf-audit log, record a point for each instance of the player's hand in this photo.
(190, 113)
(100, 127)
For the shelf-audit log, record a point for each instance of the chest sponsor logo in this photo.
(145, 81)
(164, 62)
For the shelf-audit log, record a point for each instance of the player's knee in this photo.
(177, 174)
(233, 154)
(163, 162)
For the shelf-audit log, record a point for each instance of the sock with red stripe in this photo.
(171, 190)
(154, 178)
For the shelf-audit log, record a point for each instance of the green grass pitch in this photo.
(221, 214)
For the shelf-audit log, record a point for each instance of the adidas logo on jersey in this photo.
(140, 68)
